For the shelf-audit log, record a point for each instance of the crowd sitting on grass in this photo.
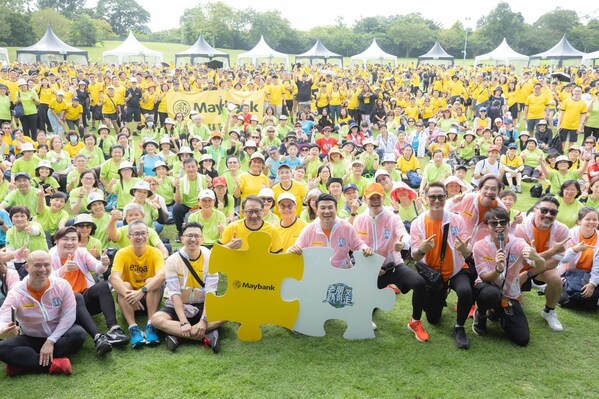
(471, 180)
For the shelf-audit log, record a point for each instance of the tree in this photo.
(550, 27)
(410, 32)
(83, 32)
(501, 22)
(452, 39)
(20, 27)
(586, 38)
(123, 15)
(68, 8)
(277, 31)
(47, 17)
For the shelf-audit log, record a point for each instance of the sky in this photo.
(306, 14)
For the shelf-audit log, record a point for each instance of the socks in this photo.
(548, 309)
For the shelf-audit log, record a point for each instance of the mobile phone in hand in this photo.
(13, 315)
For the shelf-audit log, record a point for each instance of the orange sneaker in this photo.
(394, 288)
(61, 365)
(418, 330)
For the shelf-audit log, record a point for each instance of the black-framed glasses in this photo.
(268, 199)
(193, 236)
(589, 142)
(252, 211)
(495, 223)
(439, 197)
(290, 206)
(544, 211)
(85, 225)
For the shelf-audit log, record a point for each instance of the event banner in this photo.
(210, 103)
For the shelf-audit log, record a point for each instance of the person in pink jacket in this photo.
(330, 231)
(384, 232)
(549, 238)
(44, 308)
(8, 279)
(499, 259)
(426, 233)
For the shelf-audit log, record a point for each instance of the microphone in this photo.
(501, 241)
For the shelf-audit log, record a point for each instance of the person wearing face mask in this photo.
(74, 145)
(499, 258)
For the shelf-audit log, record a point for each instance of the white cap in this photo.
(21, 82)
(380, 172)
(266, 192)
(207, 194)
(286, 196)
(133, 80)
(257, 154)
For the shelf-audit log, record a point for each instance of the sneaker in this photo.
(212, 341)
(172, 342)
(519, 189)
(102, 345)
(117, 337)
(418, 330)
(460, 338)
(137, 337)
(61, 365)
(526, 179)
(479, 324)
(12, 371)
(374, 326)
(534, 180)
(551, 319)
(394, 288)
(472, 310)
(151, 335)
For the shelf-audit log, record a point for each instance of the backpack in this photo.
(536, 191)
(556, 144)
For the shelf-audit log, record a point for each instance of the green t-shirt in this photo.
(190, 190)
(28, 99)
(433, 173)
(36, 182)
(531, 158)
(4, 189)
(49, 220)
(60, 161)
(23, 165)
(74, 197)
(557, 179)
(369, 160)
(95, 157)
(122, 190)
(568, 214)
(123, 241)
(210, 225)
(16, 197)
(102, 229)
(93, 242)
(106, 144)
(5, 108)
(166, 189)
(361, 182)
(312, 167)
(109, 170)
(17, 239)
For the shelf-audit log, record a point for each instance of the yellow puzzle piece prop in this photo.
(254, 279)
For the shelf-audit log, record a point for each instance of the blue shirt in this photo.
(149, 163)
(6, 219)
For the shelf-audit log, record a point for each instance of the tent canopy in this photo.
(201, 51)
(262, 50)
(374, 52)
(319, 52)
(51, 48)
(3, 55)
(560, 52)
(590, 58)
(503, 54)
(131, 50)
(437, 53)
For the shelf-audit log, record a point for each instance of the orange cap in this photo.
(374, 188)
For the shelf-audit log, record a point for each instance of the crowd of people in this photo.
(422, 165)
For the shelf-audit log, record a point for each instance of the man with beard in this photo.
(548, 237)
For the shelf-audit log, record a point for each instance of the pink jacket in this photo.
(343, 239)
(381, 233)
(84, 260)
(456, 228)
(484, 252)
(559, 232)
(12, 278)
(49, 319)
(571, 258)
(467, 208)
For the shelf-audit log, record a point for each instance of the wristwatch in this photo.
(353, 214)
(144, 290)
(1, 222)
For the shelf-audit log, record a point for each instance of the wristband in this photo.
(497, 271)
(353, 214)
(182, 324)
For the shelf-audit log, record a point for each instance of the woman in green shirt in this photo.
(569, 204)
(122, 187)
(166, 188)
(435, 171)
(593, 197)
(28, 98)
(59, 159)
(86, 228)
(93, 153)
(531, 157)
(224, 201)
(5, 104)
(43, 178)
(79, 197)
(23, 232)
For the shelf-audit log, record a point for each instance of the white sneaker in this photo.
(540, 287)
(551, 318)
(374, 327)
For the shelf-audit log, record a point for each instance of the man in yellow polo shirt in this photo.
(74, 116)
(536, 108)
(571, 118)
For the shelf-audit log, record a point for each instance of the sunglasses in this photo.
(544, 211)
(440, 197)
(268, 199)
(589, 142)
(495, 223)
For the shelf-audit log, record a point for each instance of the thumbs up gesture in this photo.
(105, 259)
(94, 252)
(70, 263)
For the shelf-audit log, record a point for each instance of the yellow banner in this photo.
(210, 103)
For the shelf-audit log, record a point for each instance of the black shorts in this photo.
(527, 285)
(133, 114)
(112, 117)
(568, 135)
(194, 320)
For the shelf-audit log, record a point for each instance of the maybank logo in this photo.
(244, 284)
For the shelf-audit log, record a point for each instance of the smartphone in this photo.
(13, 314)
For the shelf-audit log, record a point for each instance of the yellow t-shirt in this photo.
(240, 230)
(289, 234)
(298, 190)
(512, 163)
(276, 94)
(405, 165)
(57, 107)
(573, 111)
(136, 270)
(536, 106)
(109, 105)
(119, 95)
(46, 95)
(250, 184)
(73, 113)
(94, 93)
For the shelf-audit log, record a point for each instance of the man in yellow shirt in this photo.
(290, 225)
(74, 116)
(571, 118)
(137, 277)
(56, 111)
(514, 165)
(536, 108)
(274, 95)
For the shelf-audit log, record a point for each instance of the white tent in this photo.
(131, 50)
(373, 52)
(503, 54)
(3, 55)
(319, 52)
(261, 51)
(590, 58)
(201, 52)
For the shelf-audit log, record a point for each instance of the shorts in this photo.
(568, 135)
(527, 285)
(133, 114)
(112, 117)
(194, 320)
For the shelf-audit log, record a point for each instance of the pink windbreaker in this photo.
(50, 318)
(381, 233)
(343, 239)
(456, 228)
(484, 253)
(571, 258)
(467, 208)
(559, 232)
(84, 260)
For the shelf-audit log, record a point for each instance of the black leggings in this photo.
(179, 212)
(29, 124)
(435, 300)
(42, 116)
(407, 279)
(515, 326)
(97, 299)
(23, 351)
(591, 131)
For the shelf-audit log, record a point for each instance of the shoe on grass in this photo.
(212, 341)
(117, 337)
(61, 365)
(137, 337)
(460, 338)
(172, 342)
(12, 371)
(551, 319)
(418, 330)
(151, 335)
(479, 324)
(102, 345)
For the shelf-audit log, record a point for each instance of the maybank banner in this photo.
(210, 103)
